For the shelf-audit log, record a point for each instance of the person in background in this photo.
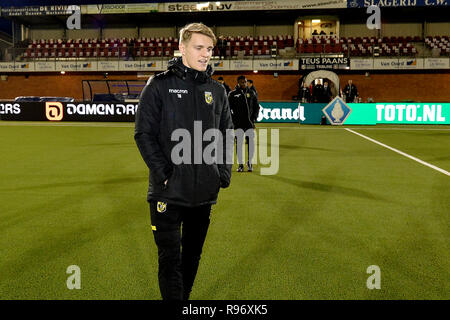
(350, 92)
(244, 108)
(326, 92)
(317, 91)
(251, 86)
(304, 95)
(227, 87)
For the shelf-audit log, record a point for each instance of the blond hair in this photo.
(187, 31)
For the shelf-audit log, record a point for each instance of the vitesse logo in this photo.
(161, 206)
(248, 95)
(208, 97)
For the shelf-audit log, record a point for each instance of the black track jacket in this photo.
(244, 107)
(173, 100)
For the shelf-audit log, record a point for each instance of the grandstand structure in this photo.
(287, 33)
(140, 37)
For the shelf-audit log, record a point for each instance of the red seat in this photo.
(123, 52)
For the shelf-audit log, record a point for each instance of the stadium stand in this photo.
(147, 47)
(247, 45)
(440, 44)
(360, 46)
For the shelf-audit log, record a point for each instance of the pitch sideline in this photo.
(400, 152)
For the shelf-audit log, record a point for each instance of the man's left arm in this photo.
(226, 128)
(255, 109)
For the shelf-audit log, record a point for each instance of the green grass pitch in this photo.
(74, 194)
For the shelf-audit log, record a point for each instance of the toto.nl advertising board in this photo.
(379, 113)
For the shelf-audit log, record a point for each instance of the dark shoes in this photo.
(249, 167)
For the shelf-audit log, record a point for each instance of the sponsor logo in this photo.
(289, 64)
(208, 97)
(101, 109)
(218, 64)
(199, 7)
(54, 111)
(398, 113)
(353, 4)
(178, 91)
(9, 108)
(161, 206)
(278, 114)
(337, 111)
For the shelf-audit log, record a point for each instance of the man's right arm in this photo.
(147, 130)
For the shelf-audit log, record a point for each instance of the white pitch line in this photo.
(401, 152)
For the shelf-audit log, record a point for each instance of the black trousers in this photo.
(179, 234)
(249, 140)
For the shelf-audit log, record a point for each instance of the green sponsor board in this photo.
(399, 113)
(361, 113)
(312, 113)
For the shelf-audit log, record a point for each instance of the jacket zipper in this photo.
(194, 91)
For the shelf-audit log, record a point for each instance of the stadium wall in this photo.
(158, 32)
(85, 33)
(401, 29)
(437, 29)
(382, 87)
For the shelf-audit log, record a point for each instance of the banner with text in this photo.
(119, 8)
(396, 3)
(253, 5)
(320, 63)
(382, 113)
(62, 111)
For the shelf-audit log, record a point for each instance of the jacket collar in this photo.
(180, 70)
(238, 88)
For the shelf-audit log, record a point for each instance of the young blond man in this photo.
(181, 194)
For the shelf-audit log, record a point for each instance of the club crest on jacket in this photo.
(161, 206)
(208, 97)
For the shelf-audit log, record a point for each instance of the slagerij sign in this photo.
(396, 3)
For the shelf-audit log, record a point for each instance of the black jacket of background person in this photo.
(350, 93)
(252, 88)
(244, 108)
(227, 88)
(173, 100)
(304, 93)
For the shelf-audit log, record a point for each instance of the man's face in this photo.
(242, 83)
(350, 82)
(249, 84)
(197, 52)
